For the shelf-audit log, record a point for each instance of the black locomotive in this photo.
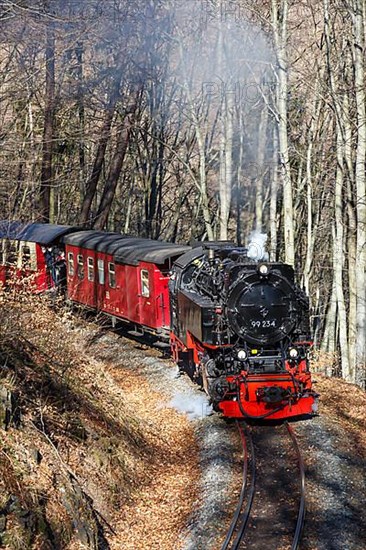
(241, 328)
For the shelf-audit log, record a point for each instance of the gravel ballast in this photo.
(336, 487)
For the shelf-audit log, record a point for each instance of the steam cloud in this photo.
(257, 246)
(194, 406)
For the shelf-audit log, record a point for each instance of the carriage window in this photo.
(70, 258)
(26, 256)
(12, 256)
(101, 272)
(90, 269)
(111, 275)
(80, 266)
(145, 284)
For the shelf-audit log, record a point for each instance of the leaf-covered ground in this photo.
(343, 403)
(89, 457)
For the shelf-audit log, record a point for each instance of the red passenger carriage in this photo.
(122, 276)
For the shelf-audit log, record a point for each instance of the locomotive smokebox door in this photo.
(262, 310)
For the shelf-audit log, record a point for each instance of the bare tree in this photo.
(123, 135)
(104, 137)
(279, 25)
(46, 192)
(358, 17)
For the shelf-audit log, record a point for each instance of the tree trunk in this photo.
(226, 137)
(311, 225)
(106, 200)
(341, 152)
(48, 128)
(279, 23)
(338, 259)
(105, 133)
(351, 236)
(273, 200)
(239, 233)
(154, 182)
(79, 52)
(358, 50)
(328, 342)
(225, 191)
(202, 183)
(352, 283)
(262, 140)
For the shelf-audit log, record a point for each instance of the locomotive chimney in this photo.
(211, 255)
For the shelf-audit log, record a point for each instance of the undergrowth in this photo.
(71, 450)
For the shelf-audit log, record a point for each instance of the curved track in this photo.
(301, 513)
(241, 516)
(239, 523)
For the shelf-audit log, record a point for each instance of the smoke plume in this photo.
(257, 246)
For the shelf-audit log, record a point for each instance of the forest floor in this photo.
(89, 456)
(334, 449)
(106, 448)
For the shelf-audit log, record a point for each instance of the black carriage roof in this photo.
(42, 233)
(126, 249)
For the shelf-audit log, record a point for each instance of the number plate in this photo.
(266, 323)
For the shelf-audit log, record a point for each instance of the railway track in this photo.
(301, 513)
(240, 525)
(241, 516)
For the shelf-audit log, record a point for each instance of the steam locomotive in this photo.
(238, 327)
(241, 329)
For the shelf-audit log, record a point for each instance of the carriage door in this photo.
(147, 310)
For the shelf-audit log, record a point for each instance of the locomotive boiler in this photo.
(240, 328)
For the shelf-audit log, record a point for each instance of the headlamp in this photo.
(242, 355)
(293, 353)
(263, 269)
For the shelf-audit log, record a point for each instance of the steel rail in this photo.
(302, 507)
(238, 514)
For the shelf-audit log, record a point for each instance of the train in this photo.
(238, 326)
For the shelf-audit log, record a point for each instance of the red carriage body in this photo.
(122, 276)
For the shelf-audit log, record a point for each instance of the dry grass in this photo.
(95, 459)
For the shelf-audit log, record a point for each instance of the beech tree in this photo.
(279, 25)
(104, 137)
(358, 51)
(46, 191)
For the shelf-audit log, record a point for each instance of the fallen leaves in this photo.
(135, 460)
